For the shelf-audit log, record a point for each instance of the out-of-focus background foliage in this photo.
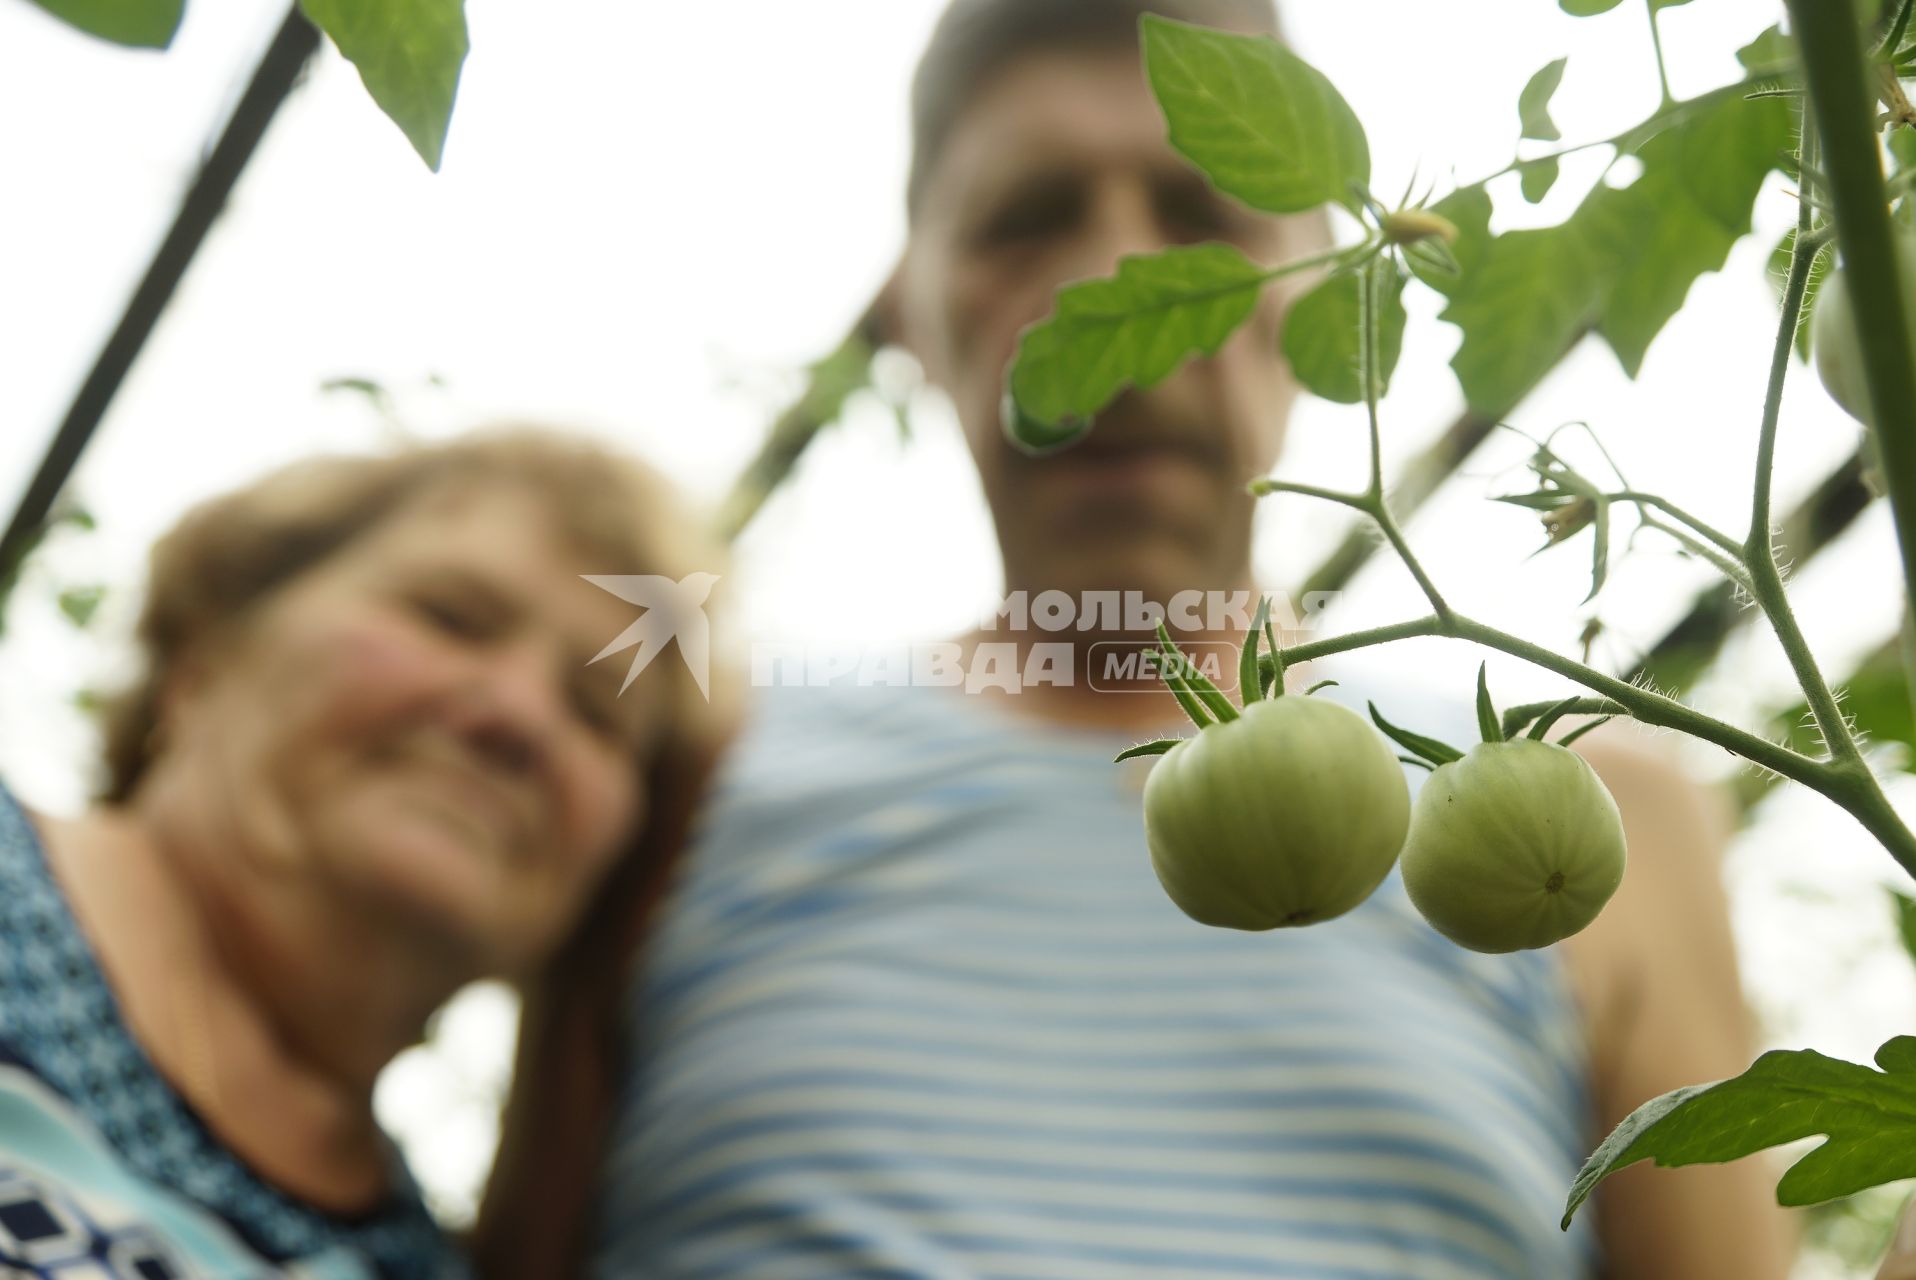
(647, 219)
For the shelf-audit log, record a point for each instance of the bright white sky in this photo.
(648, 215)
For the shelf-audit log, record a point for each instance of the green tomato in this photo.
(1290, 814)
(1516, 845)
(1833, 339)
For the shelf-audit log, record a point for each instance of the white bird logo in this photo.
(672, 609)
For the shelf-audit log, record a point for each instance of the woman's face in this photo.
(411, 728)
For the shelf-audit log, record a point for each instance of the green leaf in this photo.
(1132, 328)
(1869, 1118)
(1681, 217)
(1537, 177)
(1489, 728)
(1623, 262)
(1655, 5)
(1468, 209)
(1263, 124)
(1531, 295)
(1533, 104)
(1321, 336)
(1771, 49)
(409, 54)
(80, 603)
(141, 24)
(1587, 8)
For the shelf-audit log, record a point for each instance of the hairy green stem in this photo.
(1851, 787)
(1723, 541)
(1267, 485)
(1729, 566)
(1374, 503)
(1759, 552)
(1842, 107)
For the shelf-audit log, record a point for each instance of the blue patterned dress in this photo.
(105, 1171)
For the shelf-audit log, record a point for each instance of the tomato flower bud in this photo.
(1407, 226)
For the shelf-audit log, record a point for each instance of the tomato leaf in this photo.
(139, 24)
(1157, 748)
(79, 604)
(1623, 262)
(1528, 300)
(1536, 177)
(1868, 1116)
(1681, 217)
(1132, 328)
(409, 54)
(1587, 8)
(1533, 104)
(1321, 335)
(1468, 209)
(1773, 48)
(1263, 124)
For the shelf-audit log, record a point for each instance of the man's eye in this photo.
(1030, 216)
(1196, 213)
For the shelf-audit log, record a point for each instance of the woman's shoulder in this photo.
(101, 1154)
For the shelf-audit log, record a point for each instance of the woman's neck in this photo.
(272, 1026)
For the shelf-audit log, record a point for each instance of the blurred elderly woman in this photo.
(371, 760)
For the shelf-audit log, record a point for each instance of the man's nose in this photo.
(1121, 221)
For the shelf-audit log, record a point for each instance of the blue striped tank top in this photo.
(916, 1006)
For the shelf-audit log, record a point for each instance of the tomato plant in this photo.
(1274, 133)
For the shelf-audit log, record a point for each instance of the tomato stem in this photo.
(1840, 108)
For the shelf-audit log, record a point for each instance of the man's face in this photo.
(1055, 170)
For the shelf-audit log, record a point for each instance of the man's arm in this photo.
(1665, 1009)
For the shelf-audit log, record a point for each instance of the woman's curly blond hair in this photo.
(230, 553)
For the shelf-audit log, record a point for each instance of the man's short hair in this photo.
(975, 39)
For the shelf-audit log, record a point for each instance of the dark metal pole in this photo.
(279, 69)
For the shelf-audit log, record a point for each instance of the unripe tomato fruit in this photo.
(1288, 815)
(1516, 845)
(1833, 338)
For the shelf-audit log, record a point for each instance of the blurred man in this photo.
(917, 1005)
